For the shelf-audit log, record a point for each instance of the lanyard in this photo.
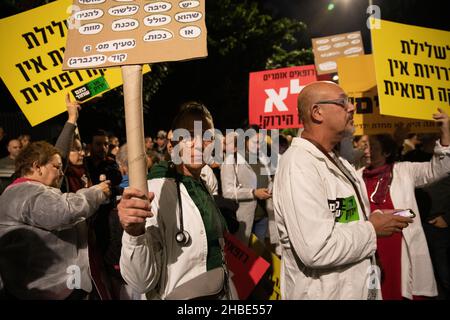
(344, 171)
(373, 291)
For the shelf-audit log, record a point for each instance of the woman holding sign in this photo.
(406, 266)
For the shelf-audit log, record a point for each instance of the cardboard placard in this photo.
(32, 60)
(412, 69)
(357, 78)
(111, 33)
(273, 96)
(328, 49)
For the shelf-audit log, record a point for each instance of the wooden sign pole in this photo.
(134, 121)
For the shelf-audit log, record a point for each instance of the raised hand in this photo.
(442, 119)
(72, 109)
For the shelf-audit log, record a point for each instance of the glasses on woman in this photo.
(57, 166)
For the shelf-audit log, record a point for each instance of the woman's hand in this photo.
(72, 109)
(442, 119)
(105, 186)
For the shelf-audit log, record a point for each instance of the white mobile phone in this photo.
(408, 213)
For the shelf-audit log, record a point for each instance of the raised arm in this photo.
(65, 139)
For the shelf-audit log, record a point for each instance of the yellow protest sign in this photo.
(32, 55)
(357, 78)
(269, 287)
(412, 69)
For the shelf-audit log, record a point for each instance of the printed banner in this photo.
(412, 69)
(32, 60)
(328, 49)
(357, 78)
(110, 33)
(273, 96)
(246, 267)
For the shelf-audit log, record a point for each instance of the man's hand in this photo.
(442, 119)
(385, 223)
(134, 208)
(262, 193)
(439, 222)
(72, 110)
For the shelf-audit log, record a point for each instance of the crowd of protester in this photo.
(71, 206)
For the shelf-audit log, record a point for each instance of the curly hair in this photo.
(40, 152)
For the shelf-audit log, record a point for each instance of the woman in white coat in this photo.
(405, 261)
(241, 183)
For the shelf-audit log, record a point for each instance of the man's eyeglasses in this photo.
(342, 102)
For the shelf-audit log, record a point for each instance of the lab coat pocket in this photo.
(324, 286)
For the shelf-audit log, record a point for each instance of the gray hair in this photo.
(122, 156)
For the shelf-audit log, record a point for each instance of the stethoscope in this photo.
(182, 237)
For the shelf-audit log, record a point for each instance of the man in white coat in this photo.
(328, 242)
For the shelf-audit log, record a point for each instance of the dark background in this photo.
(221, 80)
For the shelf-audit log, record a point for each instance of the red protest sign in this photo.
(273, 96)
(246, 266)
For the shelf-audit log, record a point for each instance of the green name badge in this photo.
(346, 209)
(90, 89)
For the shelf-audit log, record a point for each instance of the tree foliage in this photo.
(242, 38)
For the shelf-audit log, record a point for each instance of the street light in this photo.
(372, 11)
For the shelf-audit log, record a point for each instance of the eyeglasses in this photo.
(56, 166)
(342, 102)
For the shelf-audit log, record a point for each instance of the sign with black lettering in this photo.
(114, 33)
(412, 66)
(357, 78)
(31, 61)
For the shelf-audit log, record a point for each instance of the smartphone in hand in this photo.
(408, 213)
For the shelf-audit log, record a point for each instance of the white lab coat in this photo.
(154, 263)
(417, 269)
(238, 182)
(210, 180)
(321, 258)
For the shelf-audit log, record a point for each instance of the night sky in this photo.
(350, 15)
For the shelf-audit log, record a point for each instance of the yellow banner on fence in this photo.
(31, 63)
(357, 78)
(412, 69)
